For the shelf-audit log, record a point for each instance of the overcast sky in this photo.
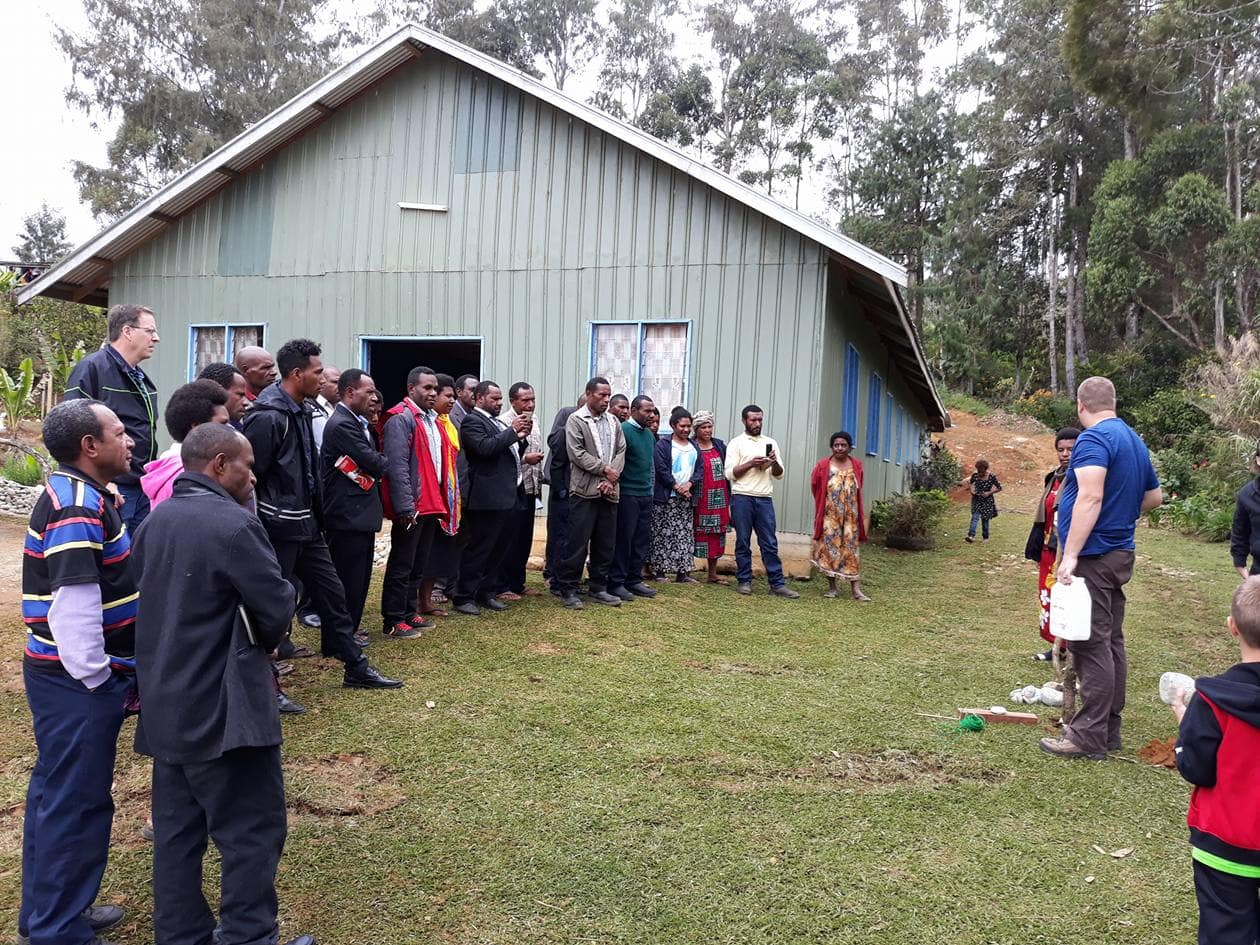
(44, 134)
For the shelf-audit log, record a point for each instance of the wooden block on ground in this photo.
(1011, 718)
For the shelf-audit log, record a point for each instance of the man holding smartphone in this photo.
(752, 465)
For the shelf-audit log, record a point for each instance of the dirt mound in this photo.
(342, 785)
(1020, 449)
(1160, 752)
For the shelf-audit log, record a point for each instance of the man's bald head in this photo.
(1097, 395)
(218, 452)
(257, 366)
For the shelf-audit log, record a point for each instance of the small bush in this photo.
(23, 469)
(942, 471)
(1199, 515)
(1168, 416)
(1175, 471)
(879, 514)
(1054, 410)
(954, 400)
(912, 519)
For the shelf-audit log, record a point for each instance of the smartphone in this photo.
(769, 451)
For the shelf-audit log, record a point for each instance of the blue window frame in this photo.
(887, 439)
(210, 343)
(875, 400)
(901, 435)
(852, 370)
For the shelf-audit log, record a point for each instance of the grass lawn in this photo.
(709, 768)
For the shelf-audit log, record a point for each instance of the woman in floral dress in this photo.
(839, 520)
(711, 495)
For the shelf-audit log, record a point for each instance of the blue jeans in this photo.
(983, 522)
(136, 509)
(749, 514)
(69, 807)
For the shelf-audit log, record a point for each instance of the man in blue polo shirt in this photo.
(113, 376)
(79, 605)
(1109, 485)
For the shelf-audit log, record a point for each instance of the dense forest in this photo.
(1073, 185)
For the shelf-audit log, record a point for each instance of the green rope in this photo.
(971, 723)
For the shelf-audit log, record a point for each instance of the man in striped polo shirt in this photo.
(79, 605)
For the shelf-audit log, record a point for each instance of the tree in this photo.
(564, 34)
(182, 77)
(638, 59)
(43, 237)
(684, 113)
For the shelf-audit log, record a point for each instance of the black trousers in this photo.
(1229, 907)
(479, 564)
(557, 531)
(408, 552)
(353, 555)
(593, 526)
(310, 562)
(634, 540)
(237, 801)
(518, 541)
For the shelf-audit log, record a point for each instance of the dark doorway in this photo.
(389, 361)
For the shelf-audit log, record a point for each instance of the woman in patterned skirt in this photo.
(1043, 540)
(711, 495)
(674, 462)
(839, 520)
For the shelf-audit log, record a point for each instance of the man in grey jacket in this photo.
(597, 454)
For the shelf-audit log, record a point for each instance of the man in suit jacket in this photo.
(518, 537)
(352, 513)
(465, 398)
(556, 476)
(597, 455)
(210, 720)
(494, 452)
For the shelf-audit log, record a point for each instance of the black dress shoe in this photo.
(310, 620)
(603, 597)
(621, 592)
(301, 940)
(641, 590)
(468, 609)
(368, 676)
(287, 705)
(99, 918)
(491, 603)
(573, 602)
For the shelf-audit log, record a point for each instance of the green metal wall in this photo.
(551, 225)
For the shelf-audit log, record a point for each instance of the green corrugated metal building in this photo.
(427, 204)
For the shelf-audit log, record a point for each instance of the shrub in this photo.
(954, 400)
(1230, 388)
(23, 469)
(1054, 410)
(1167, 416)
(1198, 515)
(16, 392)
(942, 471)
(913, 519)
(1175, 470)
(879, 514)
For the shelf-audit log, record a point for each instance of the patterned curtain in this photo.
(617, 355)
(208, 346)
(665, 366)
(245, 336)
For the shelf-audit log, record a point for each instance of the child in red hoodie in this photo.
(1219, 753)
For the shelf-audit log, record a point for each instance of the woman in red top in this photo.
(1043, 541)
(839, 520)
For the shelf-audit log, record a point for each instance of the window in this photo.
(649, 358)
(212, 343)
(888, 428)
(875, 399)
(849, 411)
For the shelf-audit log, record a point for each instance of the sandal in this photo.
(434, 612)
(720, 581)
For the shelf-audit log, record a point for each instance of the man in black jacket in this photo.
(112, 375)
(286, 465)
(351, 466)
(494, 452)
(210, 722)
(556, 475)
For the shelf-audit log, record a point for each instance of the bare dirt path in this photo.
(1020, 450)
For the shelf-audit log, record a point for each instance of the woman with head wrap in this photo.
(711, 494)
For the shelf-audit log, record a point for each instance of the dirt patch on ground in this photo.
(1160, 752)
(830, 771)
(543, 648)
(12, 537)
(343, 785)
(746, 669)
(1020, 449)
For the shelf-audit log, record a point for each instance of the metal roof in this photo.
(83, 276)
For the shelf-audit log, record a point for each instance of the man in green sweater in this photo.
(634, 511)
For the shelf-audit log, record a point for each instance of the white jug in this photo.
(1070, 610)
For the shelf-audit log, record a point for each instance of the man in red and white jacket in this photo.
(414, 499)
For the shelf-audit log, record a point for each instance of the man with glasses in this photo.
(113, 376)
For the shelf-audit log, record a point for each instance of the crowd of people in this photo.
(166, 584)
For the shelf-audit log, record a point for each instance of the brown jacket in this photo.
(586, 466)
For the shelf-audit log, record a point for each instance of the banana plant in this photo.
(16, 393)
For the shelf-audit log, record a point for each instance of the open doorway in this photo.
(389, 360)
